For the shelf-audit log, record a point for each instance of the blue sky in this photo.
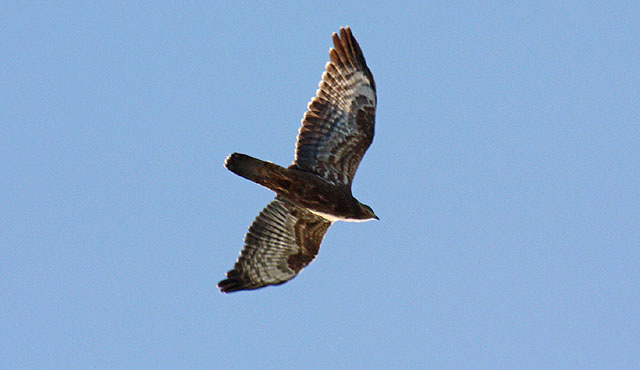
(505, 171)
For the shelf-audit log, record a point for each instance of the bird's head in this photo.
(367, 212)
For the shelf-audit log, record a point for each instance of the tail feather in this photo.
(243, 165)
(264, 173)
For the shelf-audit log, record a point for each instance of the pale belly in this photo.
(334, 218)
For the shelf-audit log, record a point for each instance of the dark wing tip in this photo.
(346, 51)
(341, 45)
(345, 32)
(234, 282)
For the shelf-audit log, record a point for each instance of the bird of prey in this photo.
(315, 190)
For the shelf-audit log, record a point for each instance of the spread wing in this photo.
(338, 127)
(282, 240)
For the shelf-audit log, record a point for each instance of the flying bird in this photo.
(315, 190)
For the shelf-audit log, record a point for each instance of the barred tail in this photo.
(264, 173)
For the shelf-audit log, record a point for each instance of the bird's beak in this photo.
(376, 217)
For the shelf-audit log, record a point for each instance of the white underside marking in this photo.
(334, 218)
(365, 89)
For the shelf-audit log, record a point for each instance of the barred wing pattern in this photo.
(338, 127)
(282, 240)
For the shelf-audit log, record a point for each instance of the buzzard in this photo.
(315, 190)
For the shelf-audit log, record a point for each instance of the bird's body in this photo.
(302, 188)
(316, 189)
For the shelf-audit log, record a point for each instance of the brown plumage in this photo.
(315, 190)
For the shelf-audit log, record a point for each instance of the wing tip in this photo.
(233, 283)
(346, 50)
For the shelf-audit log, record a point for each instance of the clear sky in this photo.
(505, 170)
